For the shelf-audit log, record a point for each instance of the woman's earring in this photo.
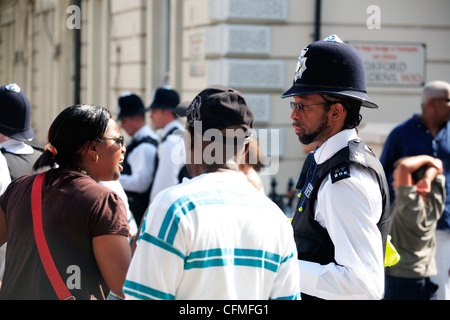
(96, 158)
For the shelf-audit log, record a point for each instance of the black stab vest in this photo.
(20, 164)
(139, 202)
(313, 241)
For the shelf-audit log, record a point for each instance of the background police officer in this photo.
(16, 130)
(140, 159)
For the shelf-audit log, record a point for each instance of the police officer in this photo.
(15, 130)
(140, 159)
(340, 225)
(171, 159)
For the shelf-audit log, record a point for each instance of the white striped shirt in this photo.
(214, 237)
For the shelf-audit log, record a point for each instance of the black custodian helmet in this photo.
(15, 113)
(331, 66)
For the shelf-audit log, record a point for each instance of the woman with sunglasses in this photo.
(84, 223)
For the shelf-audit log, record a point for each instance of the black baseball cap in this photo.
(15, 113)
(217, 107)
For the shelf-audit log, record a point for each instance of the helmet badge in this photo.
(333, 38)
(301, 64)
(13, 88)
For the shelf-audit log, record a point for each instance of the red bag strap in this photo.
(52, 272)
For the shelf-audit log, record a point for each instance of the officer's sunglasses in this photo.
(301, 106)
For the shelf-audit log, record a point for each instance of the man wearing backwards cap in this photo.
(340, 225)
(215, 236)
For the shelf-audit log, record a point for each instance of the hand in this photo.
(423, 186)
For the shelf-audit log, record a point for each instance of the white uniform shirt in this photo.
(171, 154)
(5, 180)
(5, 177)
(141, 160)
(214, 237)
(349, 210)
(16, 147)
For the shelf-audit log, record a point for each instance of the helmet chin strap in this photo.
(312, 178)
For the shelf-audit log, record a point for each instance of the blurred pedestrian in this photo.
(5, 179)
(419, 188)
(84, 223)
(171, 160)
(15, 131)
(214, 236)
(428, 133)
(140, 163)
(341, 221)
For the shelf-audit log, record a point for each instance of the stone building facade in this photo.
(63, 52)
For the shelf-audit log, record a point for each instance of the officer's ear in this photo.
(338, 111)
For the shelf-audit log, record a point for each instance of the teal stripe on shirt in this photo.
(237, 257)
(294, 297)
(174, 211)
(226, 261)
(169, 216)
(159, 243)
(184, 205)
(236, 252)
(143, 292)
